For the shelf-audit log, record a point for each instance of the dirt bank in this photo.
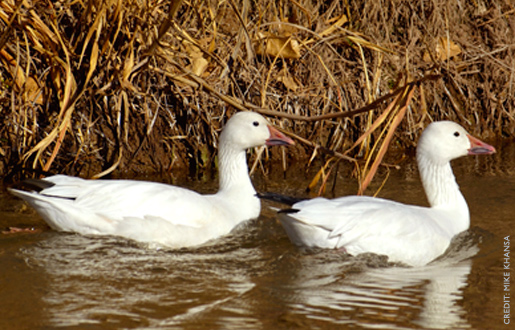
(99, 87)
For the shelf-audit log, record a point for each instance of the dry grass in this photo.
(90, 87)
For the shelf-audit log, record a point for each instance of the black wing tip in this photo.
(288, 211)
(288, 200)
(36, 185)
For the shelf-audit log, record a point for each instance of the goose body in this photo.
(159, 213)
(410, 234)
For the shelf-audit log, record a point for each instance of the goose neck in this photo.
(443, 193)
(439, 182)
(233, 170)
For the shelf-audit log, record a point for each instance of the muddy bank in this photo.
(124, 88)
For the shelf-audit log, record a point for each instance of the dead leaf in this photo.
(367, 44)
(277, 46)
(445, 49)
(30, 86)
(340, 21)
(34, 92)
(288, 80)
(198, 63)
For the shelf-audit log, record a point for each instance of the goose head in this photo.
(444, 141)
(248, 129)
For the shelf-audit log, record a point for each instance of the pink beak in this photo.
(277, 138)
(478, 147)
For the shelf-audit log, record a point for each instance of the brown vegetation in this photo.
(88, 87)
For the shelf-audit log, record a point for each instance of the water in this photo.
(254, 278)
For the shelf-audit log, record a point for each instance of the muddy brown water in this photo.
(255, 279)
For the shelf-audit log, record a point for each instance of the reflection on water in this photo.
(115, 283)
(254, 278)
(111, 281)
(391, 297)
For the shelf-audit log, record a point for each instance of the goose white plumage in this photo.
(410, 234)
(159, 213)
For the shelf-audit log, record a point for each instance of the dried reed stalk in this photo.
(100, 87)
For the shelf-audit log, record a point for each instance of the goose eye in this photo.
(255, 123)
(456, 134)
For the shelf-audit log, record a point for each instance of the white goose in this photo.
(410, 234)
(155, 212)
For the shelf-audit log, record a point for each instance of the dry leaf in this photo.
(32, 89)
(367, 44)
(287, 80)
(338, 24)
(276, 46)
(198, 63)
(445, 49)
(34, 92)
